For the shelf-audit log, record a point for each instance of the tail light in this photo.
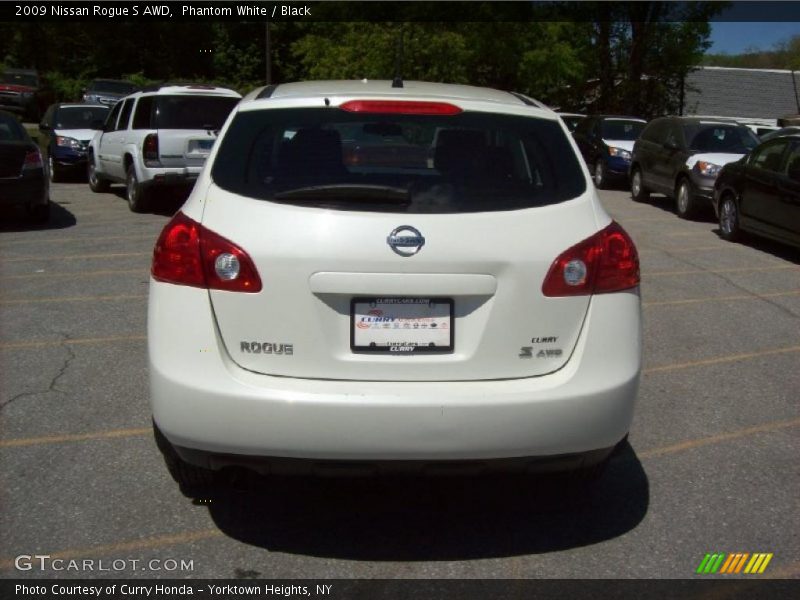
(401, 107)
(33, 160)
(187, 253)
(606, 262)
(150, 150)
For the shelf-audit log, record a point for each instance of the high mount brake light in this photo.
(603, 263)
(187, 253)
(400, 107)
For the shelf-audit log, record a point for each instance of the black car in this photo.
(108, 91)
(66, 132)
(681, 157)
(606, 141)
(761, 192)
(22, 173)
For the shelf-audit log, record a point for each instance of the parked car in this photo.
(681, 157)
(22, 174)
(605, 142)
(23, 92)
(108, 91)
(571, 120)
(760, 193)
(309, 315)
(66, 132)
(780, 133)
(158, 137)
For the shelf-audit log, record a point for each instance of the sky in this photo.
(735, 37)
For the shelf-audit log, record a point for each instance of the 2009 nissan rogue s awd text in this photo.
(387, 276)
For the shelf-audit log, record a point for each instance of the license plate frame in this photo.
(409, 347)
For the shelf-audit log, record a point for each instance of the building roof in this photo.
(742, 93)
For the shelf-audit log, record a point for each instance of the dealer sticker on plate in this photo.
(402, 325)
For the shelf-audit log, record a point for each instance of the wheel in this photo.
(189, 477)
(600, 174)
(136, 194)
(685, 204)
(96, 183)
(638, 192)
(729, 218)
(55, 173)
(40, 213)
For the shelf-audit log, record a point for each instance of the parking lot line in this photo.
(140, 544)
(72, 342)
(74, 299)
(730, 270)
(47, 275)
(716, 439)
(78, 437)
(655, 249)
(74, 256)
(721, 298)
(720, 359)
(192, 536)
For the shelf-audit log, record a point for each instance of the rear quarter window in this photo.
(327, 157)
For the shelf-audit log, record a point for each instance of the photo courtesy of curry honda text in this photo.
(380, 275)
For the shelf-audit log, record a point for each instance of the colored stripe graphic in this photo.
(722, 563)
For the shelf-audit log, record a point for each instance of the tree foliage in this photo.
(615, 57)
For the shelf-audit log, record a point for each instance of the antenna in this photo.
(397, 82)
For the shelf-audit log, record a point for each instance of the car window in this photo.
(793, 162)
(20, 79)
(721, 138)
(124, 117)
(193, 112)
(78, 117)
(144, 109)
(112, 118)
(11, 130)
(655, 131)
(768, 157)
(468, 162)
(114, 87)
(672, 136)
(620, 129)
(584, 126)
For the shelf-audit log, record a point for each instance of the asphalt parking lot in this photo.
(711, 465)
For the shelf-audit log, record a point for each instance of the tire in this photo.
(190, 478)
(56, 175)
(685, 203)
(600, 178)
(729, 218)
(39, 214)
(638, 192)
(96, 183)
(137, 195)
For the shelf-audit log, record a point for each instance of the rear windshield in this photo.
(619, 129)
(192, 112)
(20, 79)
(731, 139)
(115, 87)
(79, 117)
(11, 130)
(328, 157)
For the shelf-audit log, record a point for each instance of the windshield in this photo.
(619, 129)
(730, 139)
(20, 79)
(78, 117)
(11, 130)
(467, 162)
(192, 112)
(115, 87)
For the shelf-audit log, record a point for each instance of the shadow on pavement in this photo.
(164, 202)
(399, 518)
(14, 218)
(776, 249)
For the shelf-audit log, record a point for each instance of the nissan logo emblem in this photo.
(405, 240)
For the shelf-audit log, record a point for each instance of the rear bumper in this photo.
(203, 402)
(30, 189)
(169, 176)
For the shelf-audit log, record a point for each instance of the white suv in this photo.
(160, 136)
(376, 276)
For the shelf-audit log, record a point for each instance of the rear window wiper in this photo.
(346, 191)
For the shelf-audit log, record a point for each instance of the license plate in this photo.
(401, 326)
